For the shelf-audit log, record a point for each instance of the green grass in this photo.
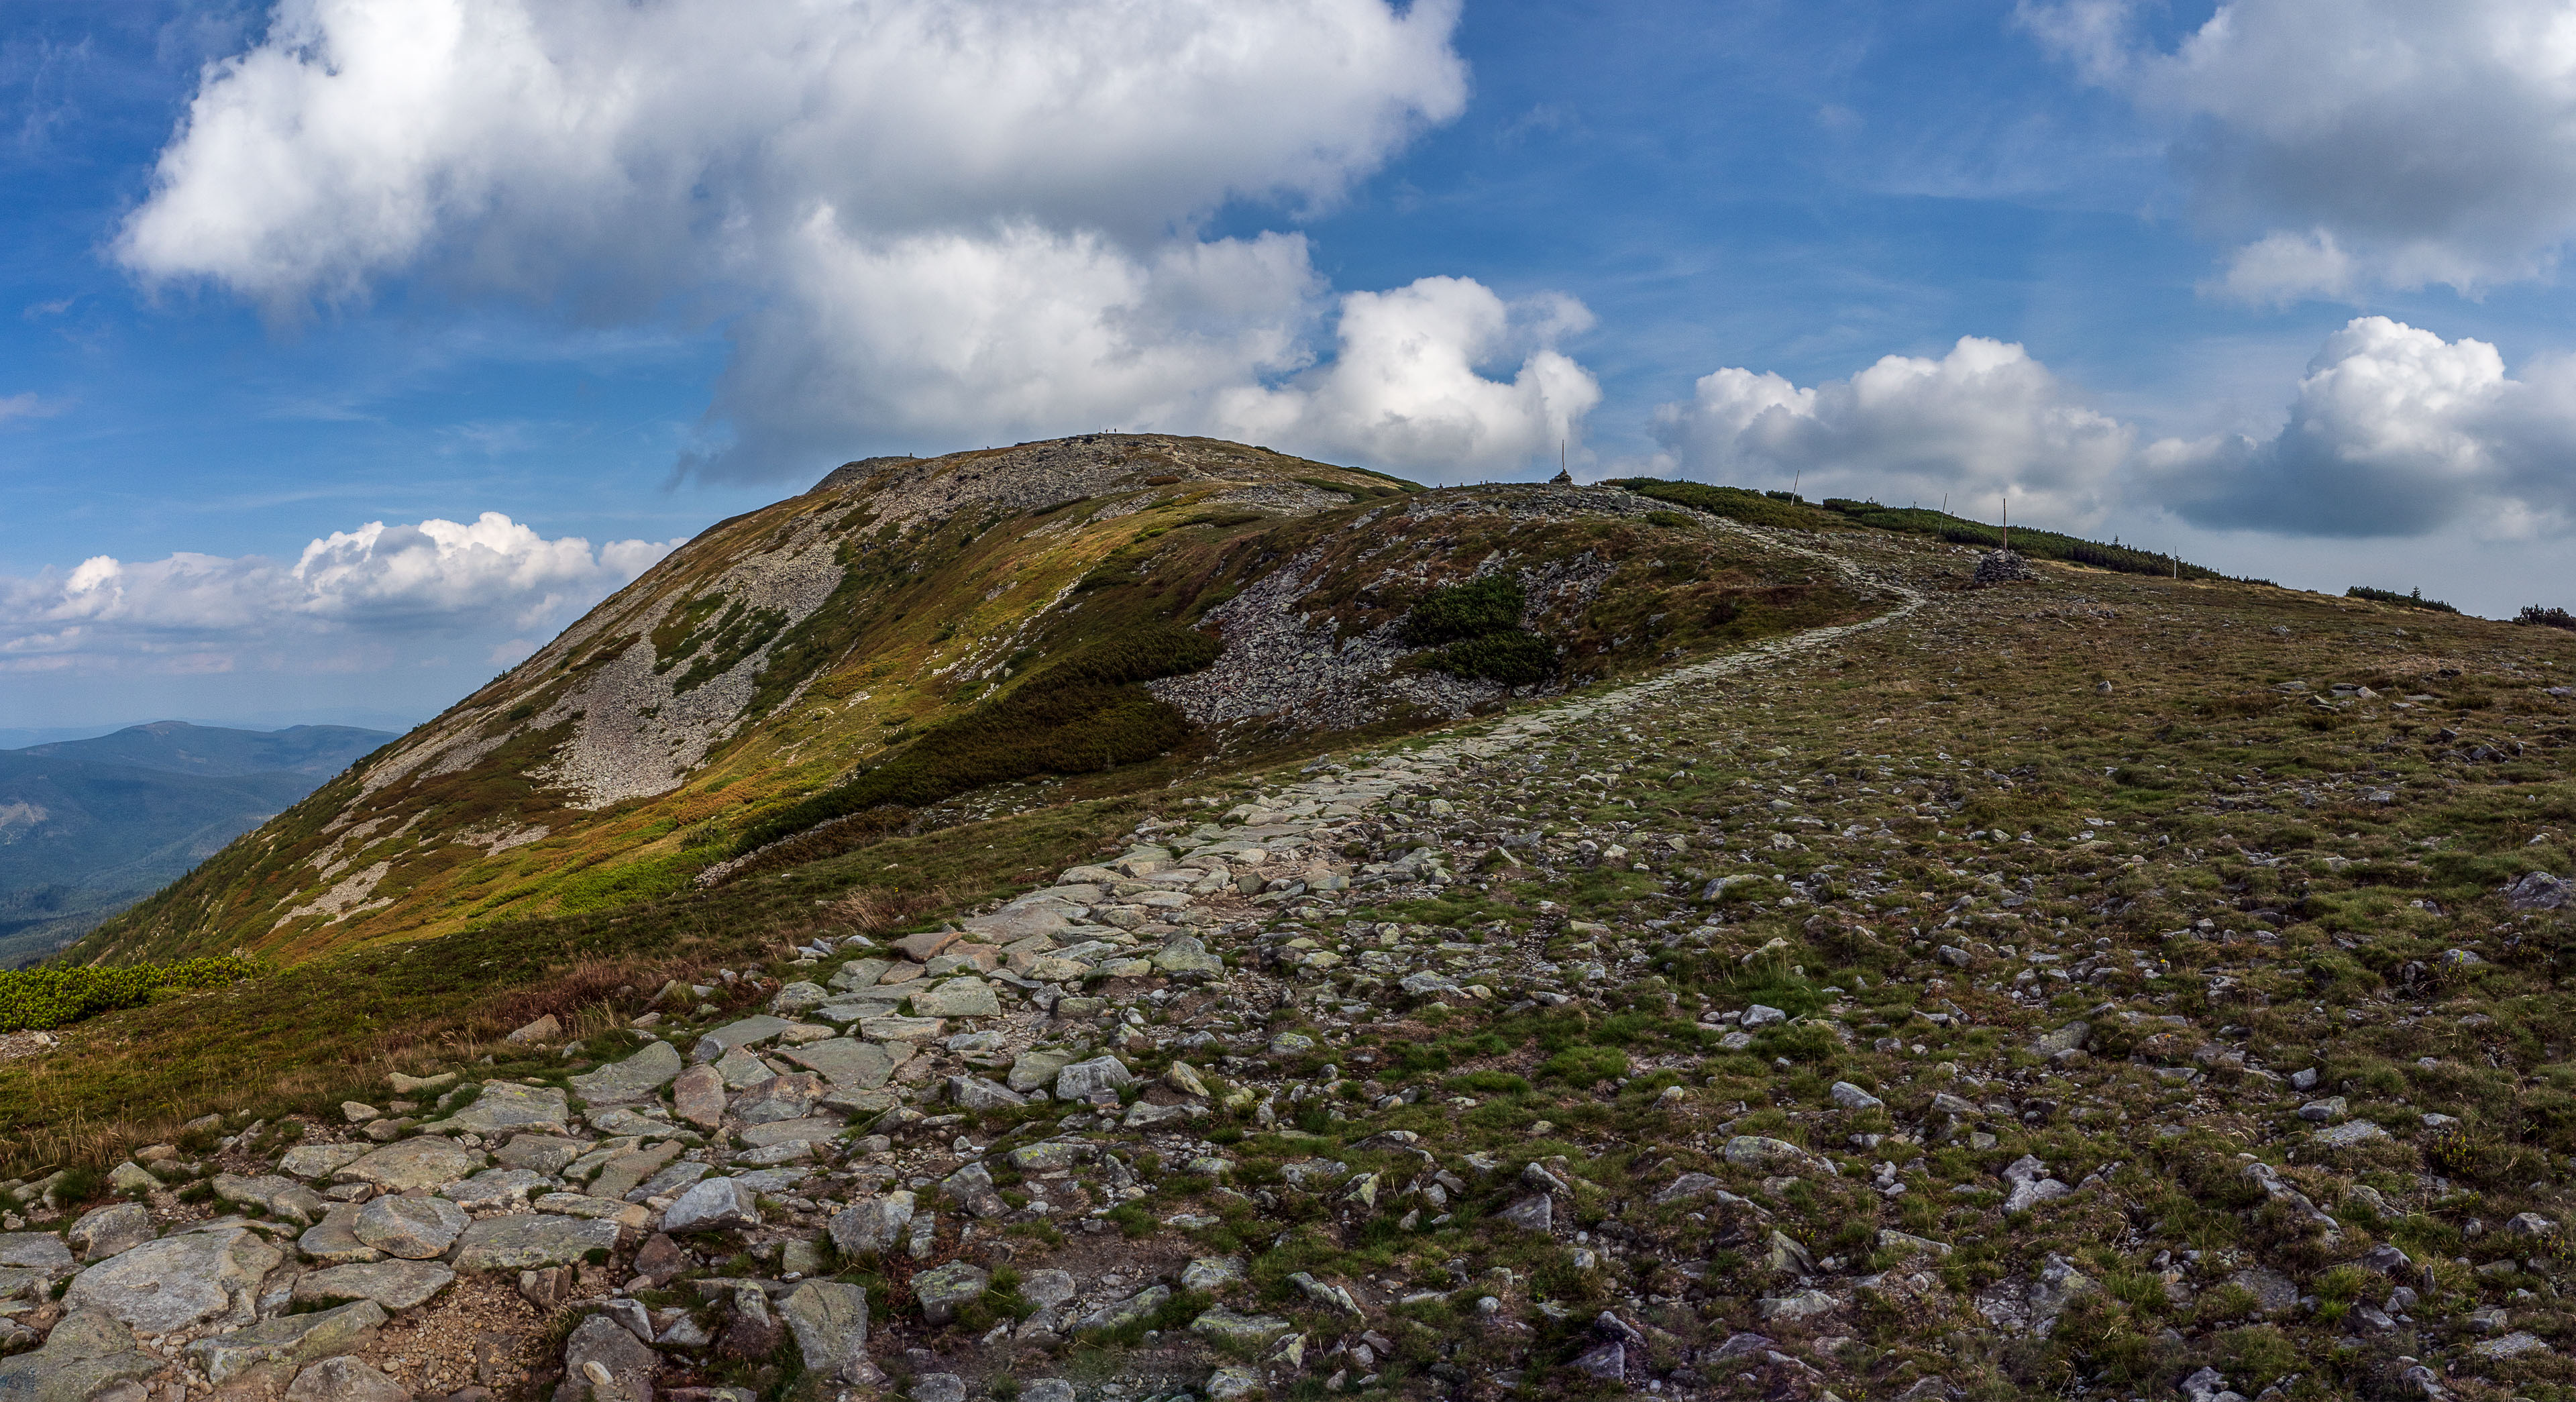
(32, 999)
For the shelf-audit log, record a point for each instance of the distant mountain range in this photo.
(88, 827)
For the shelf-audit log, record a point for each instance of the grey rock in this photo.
(320, 1160)
(1036, 1069)
(2273, 1292)
(844, 1061)
(1120, 1313)
(1050, 1155)
(1535, 1213)
(798, 997)
(872, 1225)
(2071, 1037)
(829, 1322)
(289, 1339)
(345, 1380)
(102, 1232)
(2538, 890)
(333, 1240)
(283, 1197)
(179, 1281)
(396, 1285)
(713, 1204)
(1761, 1015)
(524, 1242)
(1223, 1326)
(600, 1340)
(1078, 1080)
(1773, 1155)
(972, 1188)
(539, 1153)
(977, 1093)
(750, 1032)
(2349, 1133)
(957, 997)
(2513, 1345)
(778, 1098)
(946, 1289)
(1805, 1304)
(495, 1189)
(414, 1229)
(1852, 1097)
(638, 1077)
(507, 1105)
(87, 1353)
(1209, 1273)
(412, 1163)
(1687, 1186)
(812, 1129)
(937, 1387)
(698, 1096)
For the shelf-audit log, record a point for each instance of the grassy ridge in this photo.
(1787, 511)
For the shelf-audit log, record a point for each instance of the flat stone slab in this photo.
(902, 1029)
(638, 1077)
(2349, 1133)
(812, 1127)
(750, 1032)
(507, 1105)
(1021, 921)
(412, 1163)
(493, 1189)
(84, 1355)
(42, 1252)
(844, 1061)
(957, 997)
(321, 1160)
(540, 1153)
(396, 1285)
(290, 1339)
(415, 1229)
(519, 1243)
(334, 1240)
(167, 1285)
(829, 1321)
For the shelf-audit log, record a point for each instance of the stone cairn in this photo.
(2002, 567)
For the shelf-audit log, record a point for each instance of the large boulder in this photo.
(412, 1163)
(829, 1321)
(507, 1105)
(601, 1348)
(525, 1242)
(85, 1355)
(872, 1224)
(106, 1231)
(345, 1380)
(844, 1061)
(396, 1285)
(289, 1339)
(179, 1281)
(947, 1289)
(413, 1229)
(713, 1204)
(635, 1078)
(1080, 1079)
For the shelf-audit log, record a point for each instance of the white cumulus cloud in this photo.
(920, 221)
(1984, 422)
(377, 581)
(2394, 432)
(2359, 142)
(1405, 388)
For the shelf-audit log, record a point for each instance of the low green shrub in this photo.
(1514, 658)
(34, 999)
(1455, 612)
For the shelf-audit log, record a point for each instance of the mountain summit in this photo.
(912, 631)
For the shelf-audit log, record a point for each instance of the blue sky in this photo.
(372, 367)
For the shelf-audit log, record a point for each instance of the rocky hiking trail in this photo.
(1829, 1019)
